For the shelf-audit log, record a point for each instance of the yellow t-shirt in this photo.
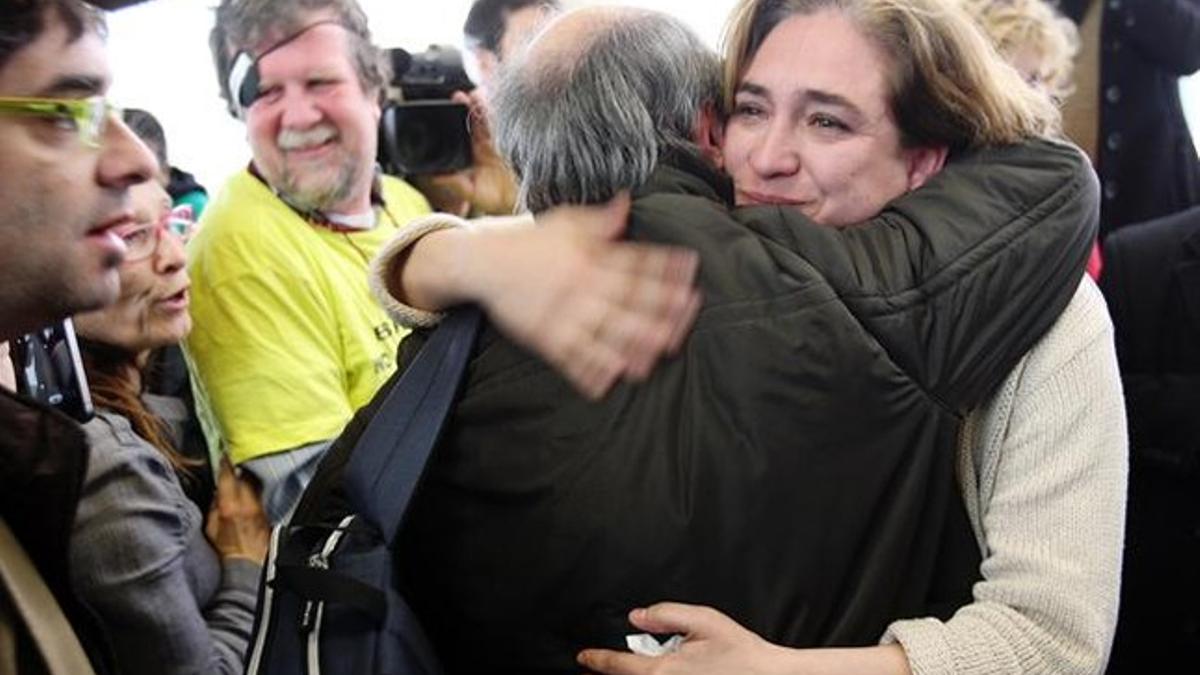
(287, 341)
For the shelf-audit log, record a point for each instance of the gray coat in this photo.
(140, 560)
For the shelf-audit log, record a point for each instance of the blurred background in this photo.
(161, 60)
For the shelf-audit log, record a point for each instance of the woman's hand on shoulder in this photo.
(596, 308)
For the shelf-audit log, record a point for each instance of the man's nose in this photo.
(299, 111)
(124, 158)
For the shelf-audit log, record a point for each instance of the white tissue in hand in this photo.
(645, 644)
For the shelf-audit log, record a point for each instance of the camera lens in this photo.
(424, 137)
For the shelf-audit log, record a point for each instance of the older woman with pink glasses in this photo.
(174, 590)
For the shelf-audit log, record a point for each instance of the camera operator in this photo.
(428, 134)
(288, 341)
(494, 30)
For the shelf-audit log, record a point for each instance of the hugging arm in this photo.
(595, 308)
(958, 279)
(1044, 481)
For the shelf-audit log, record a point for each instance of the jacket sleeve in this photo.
(958, 279)
(1043, 473)
(1165, 31)
(136, 556)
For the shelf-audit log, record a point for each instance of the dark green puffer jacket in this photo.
(793, 466)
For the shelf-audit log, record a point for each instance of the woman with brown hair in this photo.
(824, 97)
(174, 591)
(838, 107)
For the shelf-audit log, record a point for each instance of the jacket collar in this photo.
(319, 218)
(683, 171)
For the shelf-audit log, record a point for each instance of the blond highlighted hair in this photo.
(948, 85)
(1032, 25)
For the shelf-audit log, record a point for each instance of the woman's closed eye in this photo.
(828, 122)
(749, 110)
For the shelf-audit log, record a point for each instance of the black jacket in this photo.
(1152, 283)
(1147, 160)
(43, 459)
(793, 466)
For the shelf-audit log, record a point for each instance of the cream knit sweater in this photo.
(1043, 474)
(1042, 469)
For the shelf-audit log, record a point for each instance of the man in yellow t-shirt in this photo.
(288, 341)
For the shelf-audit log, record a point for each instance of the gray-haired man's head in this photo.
(599, 97)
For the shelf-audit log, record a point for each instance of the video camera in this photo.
(426, 132)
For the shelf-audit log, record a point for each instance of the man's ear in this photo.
(709, 134)
(925, 163)
(488, 65)
(379, 101)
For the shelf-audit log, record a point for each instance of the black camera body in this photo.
(434, 74)
(426, 132)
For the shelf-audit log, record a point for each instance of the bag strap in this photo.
(390, 456)
(32, 601)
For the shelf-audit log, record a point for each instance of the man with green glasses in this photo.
(66, 166)
(88, 116)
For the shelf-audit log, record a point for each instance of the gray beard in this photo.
(319, 198)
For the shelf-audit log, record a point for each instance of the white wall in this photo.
(161, 60)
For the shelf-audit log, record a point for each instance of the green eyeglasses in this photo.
(88, 116)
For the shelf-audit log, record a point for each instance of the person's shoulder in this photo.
(132, 503)
(747, 266)
(1084, 328)
(114, 447)
(246, 230)
(1026, 179)
(681, 218)
(1159, 240)
(245, 213)
(241, 191)
(403, 200)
